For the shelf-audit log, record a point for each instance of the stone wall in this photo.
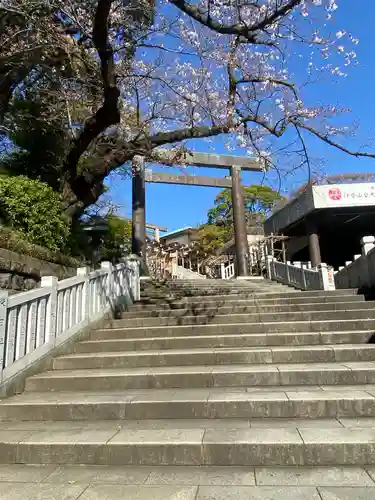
(21, 272)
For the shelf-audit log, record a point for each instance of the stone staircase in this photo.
(204, 390)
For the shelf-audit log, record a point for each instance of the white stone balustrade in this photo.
(32, 323)
(360, 272)
(299, 275)
(228, 271)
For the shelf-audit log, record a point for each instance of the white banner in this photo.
(344, 195)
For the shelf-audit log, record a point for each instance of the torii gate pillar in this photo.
(139, 211)
(239, 221)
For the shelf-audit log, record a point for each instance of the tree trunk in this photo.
(77, 197)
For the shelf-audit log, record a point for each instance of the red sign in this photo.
(335, 194)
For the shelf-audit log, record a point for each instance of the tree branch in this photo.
(324, 137)
(240, 28)
(15, 69)
(265, 79)
(108, 114)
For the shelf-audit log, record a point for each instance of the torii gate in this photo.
(233, 163)
(157, 230)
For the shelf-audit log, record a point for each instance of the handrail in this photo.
(359, 272)
(34, 322)
(298, 275)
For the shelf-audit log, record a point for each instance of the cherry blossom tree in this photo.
(162, 73)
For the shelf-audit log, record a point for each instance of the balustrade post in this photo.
(85, 299)
(287, 273)
(137, 295)
(51, 307)
(222, 270)
(304, 284)
(327, 277)
(3, 327)
(270, 264)
(134, 266)
(109, 289)
(367, 243)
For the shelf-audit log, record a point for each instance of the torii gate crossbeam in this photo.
(187, 180)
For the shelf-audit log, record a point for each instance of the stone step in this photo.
(246, 308)
(251, 287)
(235, 328)
(224, 283)
(259, 288)
(346, 373)
(217, 290)
(174, 423)
(216, 341)
(211, 295)
(86, 482)
(253, 282)
(198, 295)
(211, 283)
(211, 318)
(221, 291)
(235, 286)
(230, 302)
(221, 356)
(190, 404)
(179, 423)
(239, 447)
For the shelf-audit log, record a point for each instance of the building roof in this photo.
(177, 231)
(333, 198)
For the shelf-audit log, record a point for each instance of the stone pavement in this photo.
(21, 482)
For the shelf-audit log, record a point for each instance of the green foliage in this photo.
(259, 202)
(14, 241)
(40, 138)
(39, 141)
(211, 237)
(33, 209)
(117, 241)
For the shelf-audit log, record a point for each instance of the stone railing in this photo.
(33, 323)
(300, 276)
(359, 273)
(228, 271)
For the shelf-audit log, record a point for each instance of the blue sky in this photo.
(179, 206)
